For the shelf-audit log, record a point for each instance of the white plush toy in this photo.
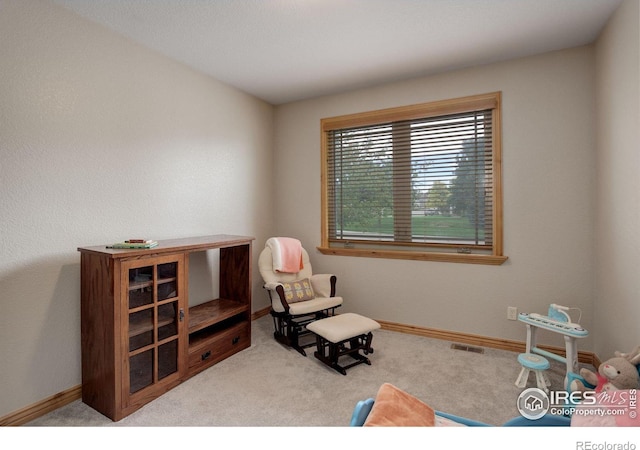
(619, 372)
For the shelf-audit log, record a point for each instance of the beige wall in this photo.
(571, 218)
(617, 301)
(102, 140)
(549, 157)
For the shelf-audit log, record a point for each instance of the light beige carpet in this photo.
(270, 385)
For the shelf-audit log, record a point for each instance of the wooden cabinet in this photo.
(140, 335)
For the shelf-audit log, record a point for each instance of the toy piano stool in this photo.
(557, 321)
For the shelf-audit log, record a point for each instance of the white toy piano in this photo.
(557, 321)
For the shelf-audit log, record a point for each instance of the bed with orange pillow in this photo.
(394, 407)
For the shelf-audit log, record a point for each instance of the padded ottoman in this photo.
(343, 335)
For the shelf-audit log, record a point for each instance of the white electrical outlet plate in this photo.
(512, 313)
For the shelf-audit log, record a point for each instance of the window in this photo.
(415, 182)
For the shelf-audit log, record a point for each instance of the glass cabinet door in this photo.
(155, 316)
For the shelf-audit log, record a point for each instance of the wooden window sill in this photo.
(465, 258)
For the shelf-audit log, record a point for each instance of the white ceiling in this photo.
(288, 50)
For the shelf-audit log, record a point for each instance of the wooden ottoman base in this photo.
(343, 335)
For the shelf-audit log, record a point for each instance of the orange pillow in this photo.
(394, 407)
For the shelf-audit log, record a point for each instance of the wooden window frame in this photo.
(396, 250)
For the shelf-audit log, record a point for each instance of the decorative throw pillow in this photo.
(298, 291)
(394, 407)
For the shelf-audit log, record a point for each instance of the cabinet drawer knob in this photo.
(235, 340)
(205, 355)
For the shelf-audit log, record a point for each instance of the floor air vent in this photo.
(467, 348)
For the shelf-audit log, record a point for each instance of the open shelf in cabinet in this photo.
(212, 312)
(217, 329)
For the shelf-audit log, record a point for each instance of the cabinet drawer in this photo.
(219, 346)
